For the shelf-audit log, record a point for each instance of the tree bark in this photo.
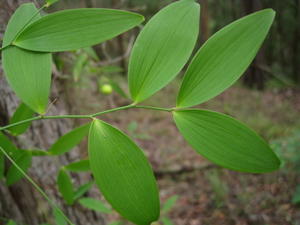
(254, 77)
(21, 202)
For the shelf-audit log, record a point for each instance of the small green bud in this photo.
(106, 89)
(50, 2)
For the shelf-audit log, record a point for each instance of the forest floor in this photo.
(208, 194)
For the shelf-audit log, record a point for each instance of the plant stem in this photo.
(90, 116)
(153, 108)
(112, 110)
(36, 187)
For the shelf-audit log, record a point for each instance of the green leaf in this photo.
(13, 174)
(11, 222)
(80, 166)
(163, 48)
(65, 186)
(166, 221)
(296, 196)
(116, 223)
(225, 141)
(82, 190)
(118, 89)
(31, 79)
(36, 152)
(170, 202)
(224, 58)
(68, 141)
(8, 146)
(95, 205)
(123, 174)
(23, 112)
(79, 65)
(19, 20)
(77, 28)
(91, 53)
(2, 165)
(59, 219)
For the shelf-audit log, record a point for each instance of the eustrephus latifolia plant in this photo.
(163, 47)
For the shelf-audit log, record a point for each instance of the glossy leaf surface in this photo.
(28, 73)
(163, 48)
(76, 28)
(13, 175)
(23, 112)
(65, 186)
(68, 141)
(94, 204)
(123, 174)
(225, 141)
(224, 58)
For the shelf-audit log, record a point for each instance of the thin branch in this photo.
(119, 58)
(89, 116)
(36, 187)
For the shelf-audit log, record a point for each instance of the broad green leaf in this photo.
(76, 28)
(166, 221)
(31, 79)
(2, 165)
(123, 174)
(94, 204)
(65, 186)
(224, 58)
(13, 174)
(170, 202)
(23, 112)
(225, 141)
(68, 141)
(82, 190)
(163, 48)
(20, 19)
(80, 166)
(59, 219)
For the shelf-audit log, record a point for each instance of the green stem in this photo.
(112, 110)
(153, 108)
(36, 187)
(41, 117)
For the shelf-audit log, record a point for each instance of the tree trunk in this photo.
(254, 76)
(21, 202)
